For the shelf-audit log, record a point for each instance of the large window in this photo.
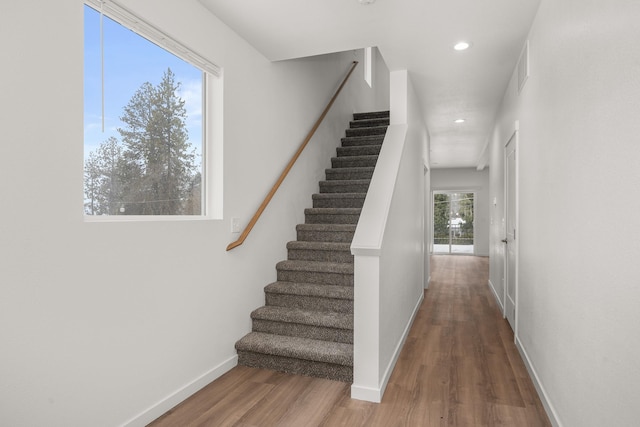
(145, 119)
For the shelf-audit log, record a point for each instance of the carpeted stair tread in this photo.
(355, 141)
(326, 227)
(338, 200)
(374, 130)
(310, 289)
(345, 181)
(339, 195)
(344, 186)
(349, 173)
(319, 246)
(354, 161)
(332, 215)
(315, 266)
(310, 296)
(359, 150)
(369, 122)
(354, 211)
(371, 115)
(310, 368)
(300, 322)
(297, 348)
(304, 317)
(326, 232)
(302, 330)
(320, 272)
(320, 251)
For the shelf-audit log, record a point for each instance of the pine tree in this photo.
(441, 206)
(153, 171)
(159, 159)
(103, 190)
(466, 212)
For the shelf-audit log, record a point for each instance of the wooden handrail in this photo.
(286, 170)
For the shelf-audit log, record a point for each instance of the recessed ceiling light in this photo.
(365, 2)
(462, 45)
(459, 121)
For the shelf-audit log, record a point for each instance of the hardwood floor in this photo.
(459, 367)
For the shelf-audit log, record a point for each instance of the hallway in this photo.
(459, 367)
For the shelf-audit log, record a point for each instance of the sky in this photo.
(129, 61)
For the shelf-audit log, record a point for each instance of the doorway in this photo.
(453, 222)
(510, 240)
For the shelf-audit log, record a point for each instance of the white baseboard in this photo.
(181, 394)
(495, 294)
(544, 398)
(366, 393)
(375, 394)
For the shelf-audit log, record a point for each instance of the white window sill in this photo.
(145, 218)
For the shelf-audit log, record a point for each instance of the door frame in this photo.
(450, 190)
(515, 136)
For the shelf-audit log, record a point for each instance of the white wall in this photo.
(578, 290)
(469, 179)
(108, 324)
(388, 246)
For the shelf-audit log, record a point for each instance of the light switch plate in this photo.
(235, 225)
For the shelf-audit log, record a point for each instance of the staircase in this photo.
(306, 326)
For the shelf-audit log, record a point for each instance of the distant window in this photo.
(145, 121)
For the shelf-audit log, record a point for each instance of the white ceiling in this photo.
(416, 35)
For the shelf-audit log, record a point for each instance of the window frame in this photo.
(212, 132)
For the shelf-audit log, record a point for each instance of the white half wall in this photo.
(577, 301)
(106, 324)
(388, 246)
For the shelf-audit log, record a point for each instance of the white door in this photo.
(510, 231)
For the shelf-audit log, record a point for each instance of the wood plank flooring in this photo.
(459, 367)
